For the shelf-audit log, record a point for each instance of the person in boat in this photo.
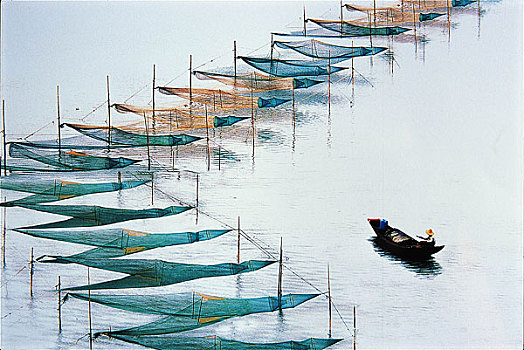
(429, 239)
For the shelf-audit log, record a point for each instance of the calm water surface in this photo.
(437, 144)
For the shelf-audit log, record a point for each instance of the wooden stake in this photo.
(271, 62)
(402, 9)
(329, 299)
(294, 113)
(3, 235)
(253, 120)
(147, 138)
(59, 307)
(3, 135)
(207, 138)
(153, 93)
(191, 89)
(219, 151)
(234, 59)
(58, 114)
(352, 68)
(108, 113)
(354, 327)
(220, 96)
(478, 3)
(31, 273)
(329, 82)
(197, 181)
(415, 26)
(449, 21)
(238, 241)
(89, 308)
(341, 15)
(152, 187)
(305, 20)
(279, 291)
(370, 33)
(375, 13)
(120, 179)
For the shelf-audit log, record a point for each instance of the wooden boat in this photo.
(399, 243)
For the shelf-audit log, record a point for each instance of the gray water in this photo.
(437, 144)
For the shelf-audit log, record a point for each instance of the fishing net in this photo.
(119, 242)
(174, 120)
(349, 29)
(54, 190)
(258, 82)
(70, 160)
(175, 342)
(318, 49)
(190, 311)
(88, 215)
(293, 68)
(118, 136)
(225, 100)
(196, 305)
(154, 273)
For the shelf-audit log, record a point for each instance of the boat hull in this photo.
(413, 250)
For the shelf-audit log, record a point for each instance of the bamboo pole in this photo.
(4, 235)
(59, 307)
(153, 93)
(147, 138)
(279, 291)
(89, 308)
(31, 273)
(207, 139)
(58, 115)
(108, 113)
(329, 299)
(238, 241)
(3, 135)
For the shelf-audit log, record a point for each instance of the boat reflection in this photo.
(422, 268)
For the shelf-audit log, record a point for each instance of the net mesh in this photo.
(55, 190)
(350, 29)
(69, 160)
(293, 68)
(119, 242)
(154, 273)
(175, 342)
(318, 49)
(88, 215)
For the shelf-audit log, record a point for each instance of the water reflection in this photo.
(422, 268)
